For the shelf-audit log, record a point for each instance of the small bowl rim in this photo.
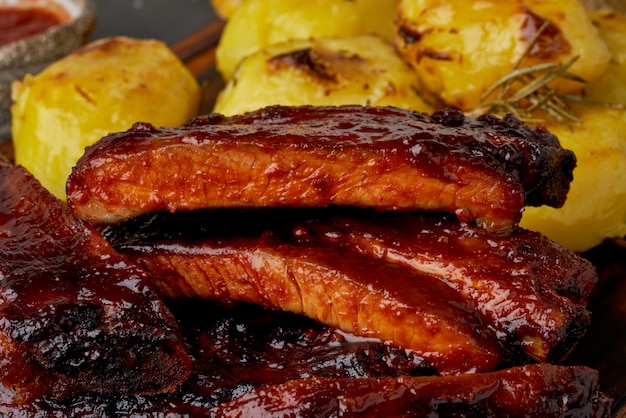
(85, 10)
(32, 54)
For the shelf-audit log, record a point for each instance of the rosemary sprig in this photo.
(525, 91)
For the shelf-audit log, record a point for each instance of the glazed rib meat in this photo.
(236, 349)
(253, 362)
(77, 317)
(337, 288)
(540, 390)
(483, 170)
(333, 285)
(439, 244)
(532, 291)
(529, 290)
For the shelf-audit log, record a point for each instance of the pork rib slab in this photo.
(484, 170)
(75, 316)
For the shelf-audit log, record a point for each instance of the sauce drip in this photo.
(19, 22)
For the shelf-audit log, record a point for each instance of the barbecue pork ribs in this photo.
(526, 289)
(397, 230)
(76, 316)
(483, 170)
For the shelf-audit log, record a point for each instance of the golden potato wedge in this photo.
(596, 205)
(257, 24)
(104, 87)
(460, 49)
(324, 71)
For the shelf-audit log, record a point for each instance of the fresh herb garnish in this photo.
(525, 91)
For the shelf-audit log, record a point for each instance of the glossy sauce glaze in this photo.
(249, 361)
(333, 285)
(21, 22)
(76, 316)
(531, 291)
(527, 391)
(237, 348)
(483, 170)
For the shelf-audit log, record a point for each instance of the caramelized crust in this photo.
(77, 317)
(484, 170)
(236, 349)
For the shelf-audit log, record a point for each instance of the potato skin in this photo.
(611, 87)
(257, 24)
(596, 204)
(460, 49)
(104, 87)
(325, 71)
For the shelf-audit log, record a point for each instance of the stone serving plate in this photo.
(32, 54)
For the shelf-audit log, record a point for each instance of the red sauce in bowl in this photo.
(20, 22)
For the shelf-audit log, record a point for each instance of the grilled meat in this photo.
(529, 290)
(236, 348)
(77, 317)
(520, 284)
(483, 170)
(541, 390)
(333, 285)
(463, 296)
(245, 356)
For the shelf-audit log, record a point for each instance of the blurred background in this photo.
(166, 20)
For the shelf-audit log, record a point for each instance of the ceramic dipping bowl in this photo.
(34, 52)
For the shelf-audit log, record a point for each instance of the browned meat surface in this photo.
(333, 285)
(75, 315)
(439, 244)
(513, 281)
(238, 348)
(540, 390)
(519, 285)
(484, 170)
(245, 357)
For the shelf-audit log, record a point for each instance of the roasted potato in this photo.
(596, 205)
(611, 87)
(104, 87)
(617, 5)
(324, 71)
(460, 49)
(257, 24)
(225, 8)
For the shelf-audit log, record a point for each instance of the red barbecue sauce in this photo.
(21, 22)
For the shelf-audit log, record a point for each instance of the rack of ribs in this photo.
(338, 288)
(76, 316)
(236, 349)
(396, 227)
(532, 291)
(505, 281)
(484, 170)
(249, 361)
